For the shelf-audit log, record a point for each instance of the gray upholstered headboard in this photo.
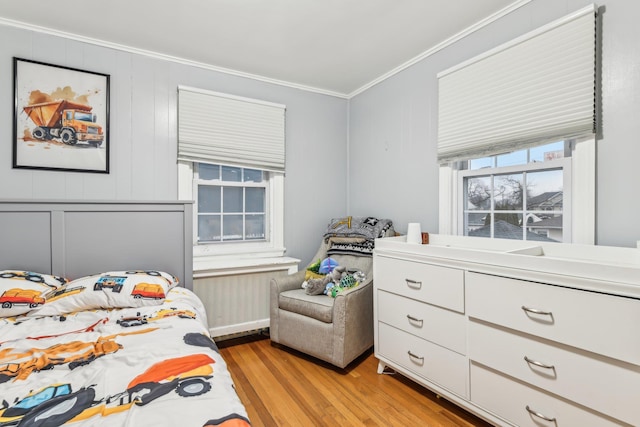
(77, 238)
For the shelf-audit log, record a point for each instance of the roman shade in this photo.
(534, 89)
(224, 129)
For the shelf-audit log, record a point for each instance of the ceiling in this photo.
(331, 46)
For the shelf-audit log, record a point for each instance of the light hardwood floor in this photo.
(282, 387)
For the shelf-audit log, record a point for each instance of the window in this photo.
(518, 195)
(576, 204)
(237, 211)
(533, 90)
(231, 203)
(231, 162)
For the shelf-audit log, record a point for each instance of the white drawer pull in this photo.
(413, 320)
(537, 311)
(539, 364)
(539, 415)
(413, 284)
(413, 356)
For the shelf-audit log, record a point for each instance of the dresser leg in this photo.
(381, 367)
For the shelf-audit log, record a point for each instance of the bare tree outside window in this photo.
(526, 203)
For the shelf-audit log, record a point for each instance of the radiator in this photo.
(237, 302)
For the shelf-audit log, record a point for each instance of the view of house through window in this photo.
(518, 195)
(231, 203)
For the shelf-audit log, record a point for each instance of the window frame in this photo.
(582, 187)
(264, 183)
(273, 246)
(563, 164)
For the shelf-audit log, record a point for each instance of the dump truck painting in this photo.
(67, 121)
(148, 290)
(17, 296)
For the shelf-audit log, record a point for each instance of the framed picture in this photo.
(61, 118)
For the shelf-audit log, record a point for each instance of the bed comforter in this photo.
(138, 366)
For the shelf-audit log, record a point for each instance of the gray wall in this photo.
(372, 155)
(393, 125)
(143, 134)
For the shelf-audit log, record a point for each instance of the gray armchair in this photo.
(336, 330)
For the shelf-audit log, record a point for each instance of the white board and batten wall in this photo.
(143, 149)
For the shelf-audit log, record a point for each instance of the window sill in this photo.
(210, 266)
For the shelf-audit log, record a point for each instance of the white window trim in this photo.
(210, 256)
(582, 186)
(563, 163)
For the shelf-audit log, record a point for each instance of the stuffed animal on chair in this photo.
(324, 284)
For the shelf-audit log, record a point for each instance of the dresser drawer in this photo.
(603, 384)
(444, 327)
(430, 361)
(441, 286)
(509, 399)
(600, 323)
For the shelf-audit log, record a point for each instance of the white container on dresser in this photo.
(519, 333)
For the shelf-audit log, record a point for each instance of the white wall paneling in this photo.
(143, 133)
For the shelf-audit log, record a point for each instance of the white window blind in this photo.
(534, 89)
(224, 129)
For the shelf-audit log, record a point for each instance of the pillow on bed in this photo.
(113, 289)
(22, 291)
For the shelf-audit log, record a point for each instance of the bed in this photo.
(98, 322)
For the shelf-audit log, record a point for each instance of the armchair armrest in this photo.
(276, 286)
(286, 283)
(353, 320)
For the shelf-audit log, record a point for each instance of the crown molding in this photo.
(161, 56)
(98, 42)
(451, 40)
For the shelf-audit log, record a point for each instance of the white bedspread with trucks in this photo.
(115, 349)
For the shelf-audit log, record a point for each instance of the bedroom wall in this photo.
(393, 125)
(143, 134)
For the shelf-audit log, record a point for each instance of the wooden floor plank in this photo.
(282, 387)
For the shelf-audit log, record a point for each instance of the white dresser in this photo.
(519, 333)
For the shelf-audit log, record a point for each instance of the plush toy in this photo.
(313, 272)
(327, 265)
(316, 286)
(337, 273)
(334, 282)
(334, 286)
(347, 280)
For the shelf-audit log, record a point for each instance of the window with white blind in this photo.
(231, 163)
(521, 195)
(231, 203)
(535, 90)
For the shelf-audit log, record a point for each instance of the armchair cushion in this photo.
(318, 307)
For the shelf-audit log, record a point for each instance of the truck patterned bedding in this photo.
(114, 349)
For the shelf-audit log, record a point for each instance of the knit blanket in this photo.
(355, 235)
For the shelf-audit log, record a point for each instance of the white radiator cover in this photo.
(237, 301)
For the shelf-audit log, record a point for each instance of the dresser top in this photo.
(607, 269)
